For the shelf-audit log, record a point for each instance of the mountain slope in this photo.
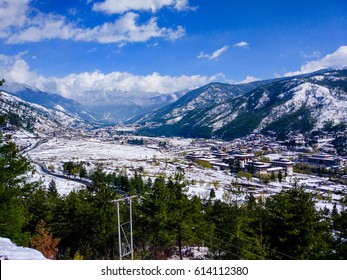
(33, 117)
(49, 100)
(299, 103)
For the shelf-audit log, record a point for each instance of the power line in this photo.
(231, 234)
(223, 241)
(196, 238)
(235, 246)
(220, 240)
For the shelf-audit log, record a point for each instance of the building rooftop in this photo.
(259, 164)
(282, 161)
(321, 156)
(274, 169)
(243, 156)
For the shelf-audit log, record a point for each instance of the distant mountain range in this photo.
(118, 106)
(300, 103)
(98, 105)
(290, 104)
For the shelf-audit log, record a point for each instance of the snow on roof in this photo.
(10, 251)
(282, 161)
(275, 169)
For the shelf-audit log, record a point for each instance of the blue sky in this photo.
(69, 46)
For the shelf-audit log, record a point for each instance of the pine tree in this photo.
(160, 238)
(340, 230)
(212, 193)
(13, 190)
(293, 225)
(52, 188)
(180, 214)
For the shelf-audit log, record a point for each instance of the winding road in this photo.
(48, 172)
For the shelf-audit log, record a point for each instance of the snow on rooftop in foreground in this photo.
(10, 251)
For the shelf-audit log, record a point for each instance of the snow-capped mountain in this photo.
(98, 105)
(118, 106)
(300, 103)
(195, 100)
(33, 117)
(49, 100)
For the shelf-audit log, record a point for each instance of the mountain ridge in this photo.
(34, 117)
(49, 100)
(300, 103)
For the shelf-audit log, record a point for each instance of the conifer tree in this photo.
(293, 225)
(52, 188)
(13, 190)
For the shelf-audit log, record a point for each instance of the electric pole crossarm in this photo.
(121, 229)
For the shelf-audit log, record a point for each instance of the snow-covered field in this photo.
(64, 187)
(24, 139)
(116, 157)
(83, 150)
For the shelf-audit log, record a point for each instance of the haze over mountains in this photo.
(108, 106)
(299, 104)
(116, 106)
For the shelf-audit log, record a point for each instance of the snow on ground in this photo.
(321, 204)
(116, 157)
(83, 150)
(10, 251)
(64, 187)
(176, 141)
(24, 139)
(204, 191)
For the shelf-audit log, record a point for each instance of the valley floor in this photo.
(49, 155)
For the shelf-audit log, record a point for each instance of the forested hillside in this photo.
(293, 104)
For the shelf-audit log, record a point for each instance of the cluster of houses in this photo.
(326, 160)
(244, 161)
(248, 162)
(240, 155)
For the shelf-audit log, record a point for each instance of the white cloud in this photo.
(38, 27)
(44, 27)
(122, 6)
(16, 69)
(182, 5)
(125, 29)
(124, 81)
(241, 44)
(249, 79)
(215, 54)
(13, 13)
(333, 60)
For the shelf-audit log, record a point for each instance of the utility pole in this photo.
(129, 247)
